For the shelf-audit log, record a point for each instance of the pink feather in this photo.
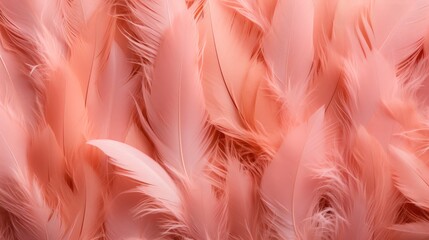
(138, 166)
(214, 119)
(287, 185)
(410, 176)
(176, 117)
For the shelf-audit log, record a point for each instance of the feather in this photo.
(110, 100)
(136, 165)
(123, 220)
(148, 21)
(46, 162)
(336, 37)
(65, 111)
(72, 189)
(324, 15)
(16, 88)
(177, 124)
(410, 175)
(228, 38)
(364, 87)
(78, 192)
(214, 119)
(288, 49)
(287, 184)
(374, 199)
(30, 23)
(239, 100)
(86, 210)
(23, 224)
(240, 200)
(267, 8)
(92, 44)
(27, 33)
(328, 211)
(30, 31)
(30, 219)
(267, 113)
(247, 88)
(352, 30)
(358, 226)
(158, 184)
(394, 19)
(176, 117)
(137, 139)
(250, 10)
(373, 92)
(13, 138)
(415, 230)
(204, 216)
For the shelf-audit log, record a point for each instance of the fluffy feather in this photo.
(216, 119)
(138, 166)
(176, 117)
(288, 49)
(374, 200)
(287, 183)
(229, 38)
(31, 218)
(250, 10)
(148, 21)
(410, 176)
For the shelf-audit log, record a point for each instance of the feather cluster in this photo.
(214, 119)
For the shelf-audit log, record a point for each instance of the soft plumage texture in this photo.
(214, 119)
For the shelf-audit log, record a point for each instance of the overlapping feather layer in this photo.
(214, 119)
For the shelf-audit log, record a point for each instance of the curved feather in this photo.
(136, 165)
(249, 9)
(229, 38)
(392, 20)
(148, 21)
(411, 176)
(288, 183)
